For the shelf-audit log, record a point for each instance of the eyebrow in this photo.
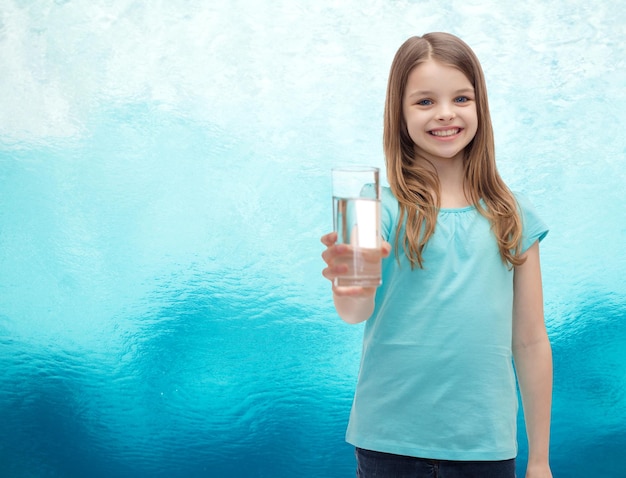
(431, 93)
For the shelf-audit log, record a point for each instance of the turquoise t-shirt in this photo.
(436, 377)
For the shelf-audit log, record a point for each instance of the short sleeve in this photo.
(533, 227)
(389, 213)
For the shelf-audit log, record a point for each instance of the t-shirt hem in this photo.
(432, 453)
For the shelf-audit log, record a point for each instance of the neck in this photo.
(451, 175)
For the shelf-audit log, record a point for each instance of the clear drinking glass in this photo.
(356, 220)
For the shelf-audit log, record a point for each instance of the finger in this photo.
(386, 249)
(329, 239)
(332, 272)
(332, 252)
(356, 292)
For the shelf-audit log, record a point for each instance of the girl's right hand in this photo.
(335, 266)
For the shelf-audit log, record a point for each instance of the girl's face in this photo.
(440, 110)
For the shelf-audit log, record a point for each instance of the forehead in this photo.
(432, 74)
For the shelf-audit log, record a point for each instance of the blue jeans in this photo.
(374, 464)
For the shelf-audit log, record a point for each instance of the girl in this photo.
(461, 295)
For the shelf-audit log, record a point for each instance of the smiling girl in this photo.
(461, 299)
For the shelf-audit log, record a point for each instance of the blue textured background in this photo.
(164, 181)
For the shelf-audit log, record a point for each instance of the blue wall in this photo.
(164, 181)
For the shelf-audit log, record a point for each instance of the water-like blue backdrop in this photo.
(164, 181)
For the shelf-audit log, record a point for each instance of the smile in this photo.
(445, 132)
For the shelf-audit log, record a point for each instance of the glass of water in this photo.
(356, 220)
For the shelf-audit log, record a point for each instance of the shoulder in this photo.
(387, 195)
(523, 201)
(389, 211)
(388, 200)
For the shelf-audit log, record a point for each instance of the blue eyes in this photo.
(458, 99)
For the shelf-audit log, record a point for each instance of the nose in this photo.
(445, 113)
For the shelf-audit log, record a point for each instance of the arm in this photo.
(533, 361)
(353, 304)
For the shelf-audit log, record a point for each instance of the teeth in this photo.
(447, 132)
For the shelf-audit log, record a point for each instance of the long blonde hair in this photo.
(417, 188)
